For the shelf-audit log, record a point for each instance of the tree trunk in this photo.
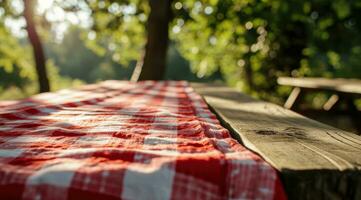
(153, 64)
(38, 51)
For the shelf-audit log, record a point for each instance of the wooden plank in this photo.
(315, 161)
(291, 101)
(351, 86)
(331, 102)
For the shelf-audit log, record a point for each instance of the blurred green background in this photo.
(246, 44)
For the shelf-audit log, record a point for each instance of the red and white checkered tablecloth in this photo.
(123, 140)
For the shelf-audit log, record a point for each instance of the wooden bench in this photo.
(315, 161)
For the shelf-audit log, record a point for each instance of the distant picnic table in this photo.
(345, 88)
(342, 90)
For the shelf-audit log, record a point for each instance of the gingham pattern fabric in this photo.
(123, 140)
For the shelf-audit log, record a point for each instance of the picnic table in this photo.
(170, 140)
(345, 88)
(342, 90)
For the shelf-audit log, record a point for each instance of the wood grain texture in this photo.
(315, 161)
(350, 86)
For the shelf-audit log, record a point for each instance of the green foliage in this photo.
(246, 43)
(252, 42)
(17, 72)
(15, 62)
(31, 87)
(118, 28)
(77, 61)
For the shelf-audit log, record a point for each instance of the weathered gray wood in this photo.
(350, 86)
(315, 161)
